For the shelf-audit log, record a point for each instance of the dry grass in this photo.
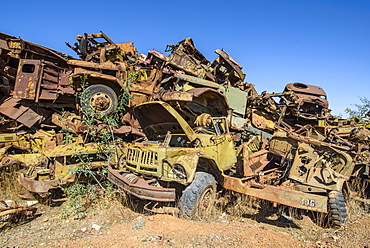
(240, 205)
(10, 187)
(119, 210)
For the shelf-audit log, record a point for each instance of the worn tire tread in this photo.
(190, 196)
(338, 208)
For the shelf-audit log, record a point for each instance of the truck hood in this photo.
(157, 118)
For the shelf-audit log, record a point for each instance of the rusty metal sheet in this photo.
(237, 100)
(33, 185)
(103, 66)
(136, 99)
(23, 111)
(30, 118)
(261, 120)
(199, 81)
(27, 80)
(69, 121)
(158, 55)
(306, 89)
(186, 57)
(236, 67)
(128, 130)
(212, 99)
(177, 96)
(26, 49)
(53, 80)
(127, 47)
(279, 195)
(12, 108)
(201, 91)
(125, 129)
(252, 163)
(78, 72)
(140, 89)
(139, 187)
(312, 99)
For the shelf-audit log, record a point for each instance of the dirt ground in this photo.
(115, 225)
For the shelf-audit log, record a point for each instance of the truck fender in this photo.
(186, 163)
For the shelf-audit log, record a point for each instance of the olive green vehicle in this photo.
(176, 155)
(189, 162)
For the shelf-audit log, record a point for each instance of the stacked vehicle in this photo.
(265, 154)
(204, 127)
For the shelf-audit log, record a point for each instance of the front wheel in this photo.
(198, 198)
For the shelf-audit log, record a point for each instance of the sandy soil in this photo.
(118, 226)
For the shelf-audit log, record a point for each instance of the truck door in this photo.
(225, 148)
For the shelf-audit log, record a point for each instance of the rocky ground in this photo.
(112, 224)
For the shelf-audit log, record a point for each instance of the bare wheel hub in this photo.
(100, 101)
(206, 200)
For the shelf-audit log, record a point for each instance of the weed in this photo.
(100, 132)
(8, 188)
(239, 205)
(79, 197)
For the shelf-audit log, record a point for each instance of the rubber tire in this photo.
(193, 196)
(337, 208)
(85, 47)
(93, 89)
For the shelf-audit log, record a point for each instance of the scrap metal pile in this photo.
(10, 212)
(283, 147)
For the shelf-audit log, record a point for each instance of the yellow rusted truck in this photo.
(188, 161)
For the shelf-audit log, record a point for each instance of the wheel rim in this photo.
(100, 101)
(206, 200)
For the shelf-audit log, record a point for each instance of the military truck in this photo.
(188, 162)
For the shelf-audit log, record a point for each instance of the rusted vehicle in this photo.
(303, 109)
(32, 80)
(298, 105)
(224, 69)
(187, 160)
(175, 154)
(350, 137)
(57, 167)
(46, 162)
(35, 81)
(206, 121)
(111, 69)
(42, 80)
(13, 49)
(22, 149)
(310, 101)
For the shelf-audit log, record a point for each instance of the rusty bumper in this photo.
(140, 187)
(34, 185)
(279, 195)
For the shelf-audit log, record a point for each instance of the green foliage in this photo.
(99, 132)
(123, 101)
(100, 127)
(80, 196)
(361, 109)
(91, 116)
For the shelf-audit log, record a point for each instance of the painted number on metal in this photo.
(308, 203)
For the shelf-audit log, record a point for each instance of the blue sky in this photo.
(324, 43)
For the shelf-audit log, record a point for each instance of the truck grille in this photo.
(142, 160)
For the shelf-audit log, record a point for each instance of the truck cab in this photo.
(173, 153)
